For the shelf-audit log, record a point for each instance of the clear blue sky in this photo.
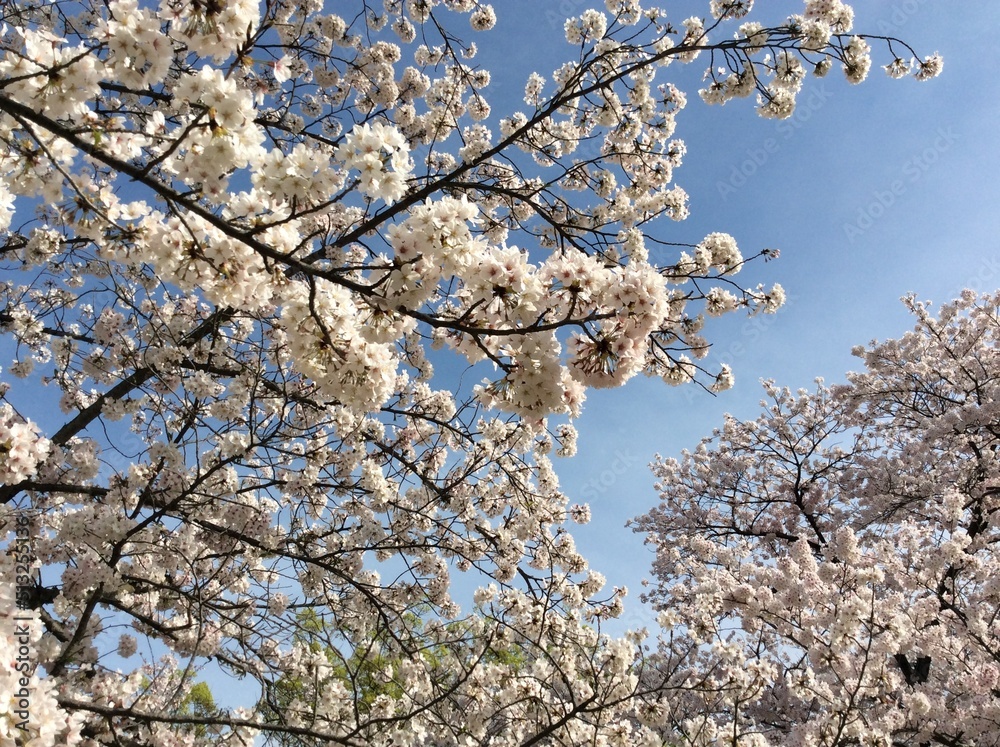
(870, 192)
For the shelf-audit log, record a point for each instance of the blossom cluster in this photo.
(369, 149)
(21, 447)
(824, 26)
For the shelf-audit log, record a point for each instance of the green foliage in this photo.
(199, 701)
(370, 668)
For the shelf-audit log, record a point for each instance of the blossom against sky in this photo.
(869, 192)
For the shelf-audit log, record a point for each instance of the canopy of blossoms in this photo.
(238, 237)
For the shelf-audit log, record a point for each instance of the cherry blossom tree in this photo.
(255, 258)
(827, 573)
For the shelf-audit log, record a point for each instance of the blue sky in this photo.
(870, 192)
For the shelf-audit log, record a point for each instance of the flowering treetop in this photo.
(233, 231)
(828, 571)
